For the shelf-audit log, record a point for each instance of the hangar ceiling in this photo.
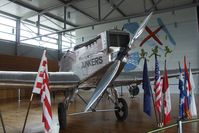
(75, 14)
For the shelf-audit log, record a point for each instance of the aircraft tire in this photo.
(122, 110)
(62, 117)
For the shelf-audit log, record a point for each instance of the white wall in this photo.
(182, 25)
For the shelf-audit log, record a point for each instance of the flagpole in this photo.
(179, 117)
(156, 117)
(30, 102)
(163, 91)
(154, 107)
(181, 93)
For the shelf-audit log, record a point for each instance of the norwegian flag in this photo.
(182, 95)
(41, 87)
(158, 88)
(167, 99)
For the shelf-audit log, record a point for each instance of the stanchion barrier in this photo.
(173, 125)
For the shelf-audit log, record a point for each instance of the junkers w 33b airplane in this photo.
(95, 64)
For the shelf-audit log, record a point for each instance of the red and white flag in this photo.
(193, 109)
(158, 88)
(167, 98)
(41, 87)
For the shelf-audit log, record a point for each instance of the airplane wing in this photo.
(129, 78)
(58, 80)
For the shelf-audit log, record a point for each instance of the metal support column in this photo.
(59, 43)
(99, 10)
(18, 27)
(38, 25)
(180, 126)
(64, 19)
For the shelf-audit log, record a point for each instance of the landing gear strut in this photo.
(121, 107)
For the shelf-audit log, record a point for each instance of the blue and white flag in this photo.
(147, 90)
(182, 95)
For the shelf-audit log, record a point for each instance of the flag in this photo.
(40, 75)
(193, 109)
(147, 90)
(182, 95)
(41, 87)
(158, 88)
(167, 99)
(187, 86)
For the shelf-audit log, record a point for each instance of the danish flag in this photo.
(41, 87)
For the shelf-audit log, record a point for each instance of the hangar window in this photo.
(30, 30)
(68, 41)
(7, 28)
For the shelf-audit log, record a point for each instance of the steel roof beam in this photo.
(117, 8)
(154, 4)
(29, 21)
(123, 18)
(36, 9)
(44, 26)
(10, 15)
(84, 13)
(81, 11)
(114, 8)
(32, 14)
(77, 9)
(53, 22)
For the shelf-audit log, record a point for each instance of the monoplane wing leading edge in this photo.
(135, 77)
(104, 82)
(22, 79)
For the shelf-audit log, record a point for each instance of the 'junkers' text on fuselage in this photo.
(92, 62)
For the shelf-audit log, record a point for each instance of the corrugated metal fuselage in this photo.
(91, 60)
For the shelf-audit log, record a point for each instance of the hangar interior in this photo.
(28, 27)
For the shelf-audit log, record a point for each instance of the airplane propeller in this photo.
(113, 69)
(104, 82)
(140, 29)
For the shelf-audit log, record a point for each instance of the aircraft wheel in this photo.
(62, 117)
(122, 109)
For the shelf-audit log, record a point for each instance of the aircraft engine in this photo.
(134, 90)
